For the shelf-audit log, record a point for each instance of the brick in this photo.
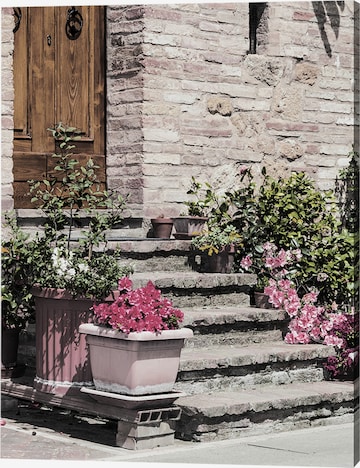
(303, 16)
(298, 127)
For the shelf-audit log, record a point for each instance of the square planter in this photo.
(139, 363)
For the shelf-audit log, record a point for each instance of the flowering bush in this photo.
(58, 267)
(293, 214)
(271, 262)
(309, 321)
(313, 323)
(137, 310)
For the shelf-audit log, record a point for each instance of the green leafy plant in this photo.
(294, 215)
(73, 201)
(216, 238)
(17, 304)
(208, 203)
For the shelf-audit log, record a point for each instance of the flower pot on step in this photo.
(262, 300)
(162, 227)
(187, 227)
(221, 262)
(137, 363)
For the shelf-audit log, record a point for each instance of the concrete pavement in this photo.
(38, 433)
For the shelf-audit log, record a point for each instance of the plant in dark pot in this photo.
(17, 305)
(72, 265)
(219, 243)
(192, 224)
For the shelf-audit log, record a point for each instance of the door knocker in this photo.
(74, 24)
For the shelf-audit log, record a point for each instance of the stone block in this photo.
(147, 429)
(132, 443)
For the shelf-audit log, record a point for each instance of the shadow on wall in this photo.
(328, 11)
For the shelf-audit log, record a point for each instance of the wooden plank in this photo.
(41, 76)
(81, 403)
(21, 84)
(29, 166)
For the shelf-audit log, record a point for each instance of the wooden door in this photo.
(59, 76)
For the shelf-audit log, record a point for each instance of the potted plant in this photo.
(192, 224)
(17, 306)
(219, 242)
(71, 266)
(135, 342)
(162, 227)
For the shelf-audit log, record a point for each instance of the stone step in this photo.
(157, 254)
(221, 325)
(188, 289)
(239, 367)
(231, 414)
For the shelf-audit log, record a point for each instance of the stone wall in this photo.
(207, 103)
(7, 106)
(184, 96)
(125, 95)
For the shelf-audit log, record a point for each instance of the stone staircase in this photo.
(239, 376)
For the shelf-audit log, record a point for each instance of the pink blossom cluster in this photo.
(273, 261)
(136, 310)
(309, 322)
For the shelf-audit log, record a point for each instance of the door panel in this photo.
(57, 78)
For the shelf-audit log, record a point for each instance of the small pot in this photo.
(162, 227)
(262, 300)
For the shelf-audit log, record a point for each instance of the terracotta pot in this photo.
(139, 363)
(221, 262)
(187, 227)
(62, 364)
(162, 227)
(262, 300)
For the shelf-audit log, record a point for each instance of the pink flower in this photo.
(310, 297)
(332, 340)
(246, 262)
(142, 309)
(125, 284)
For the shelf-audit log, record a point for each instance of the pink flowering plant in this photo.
(270, 262)
(310, 322)
(313, 323)
(137, 310)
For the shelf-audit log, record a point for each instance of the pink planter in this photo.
(62, 365)
(135, 364)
